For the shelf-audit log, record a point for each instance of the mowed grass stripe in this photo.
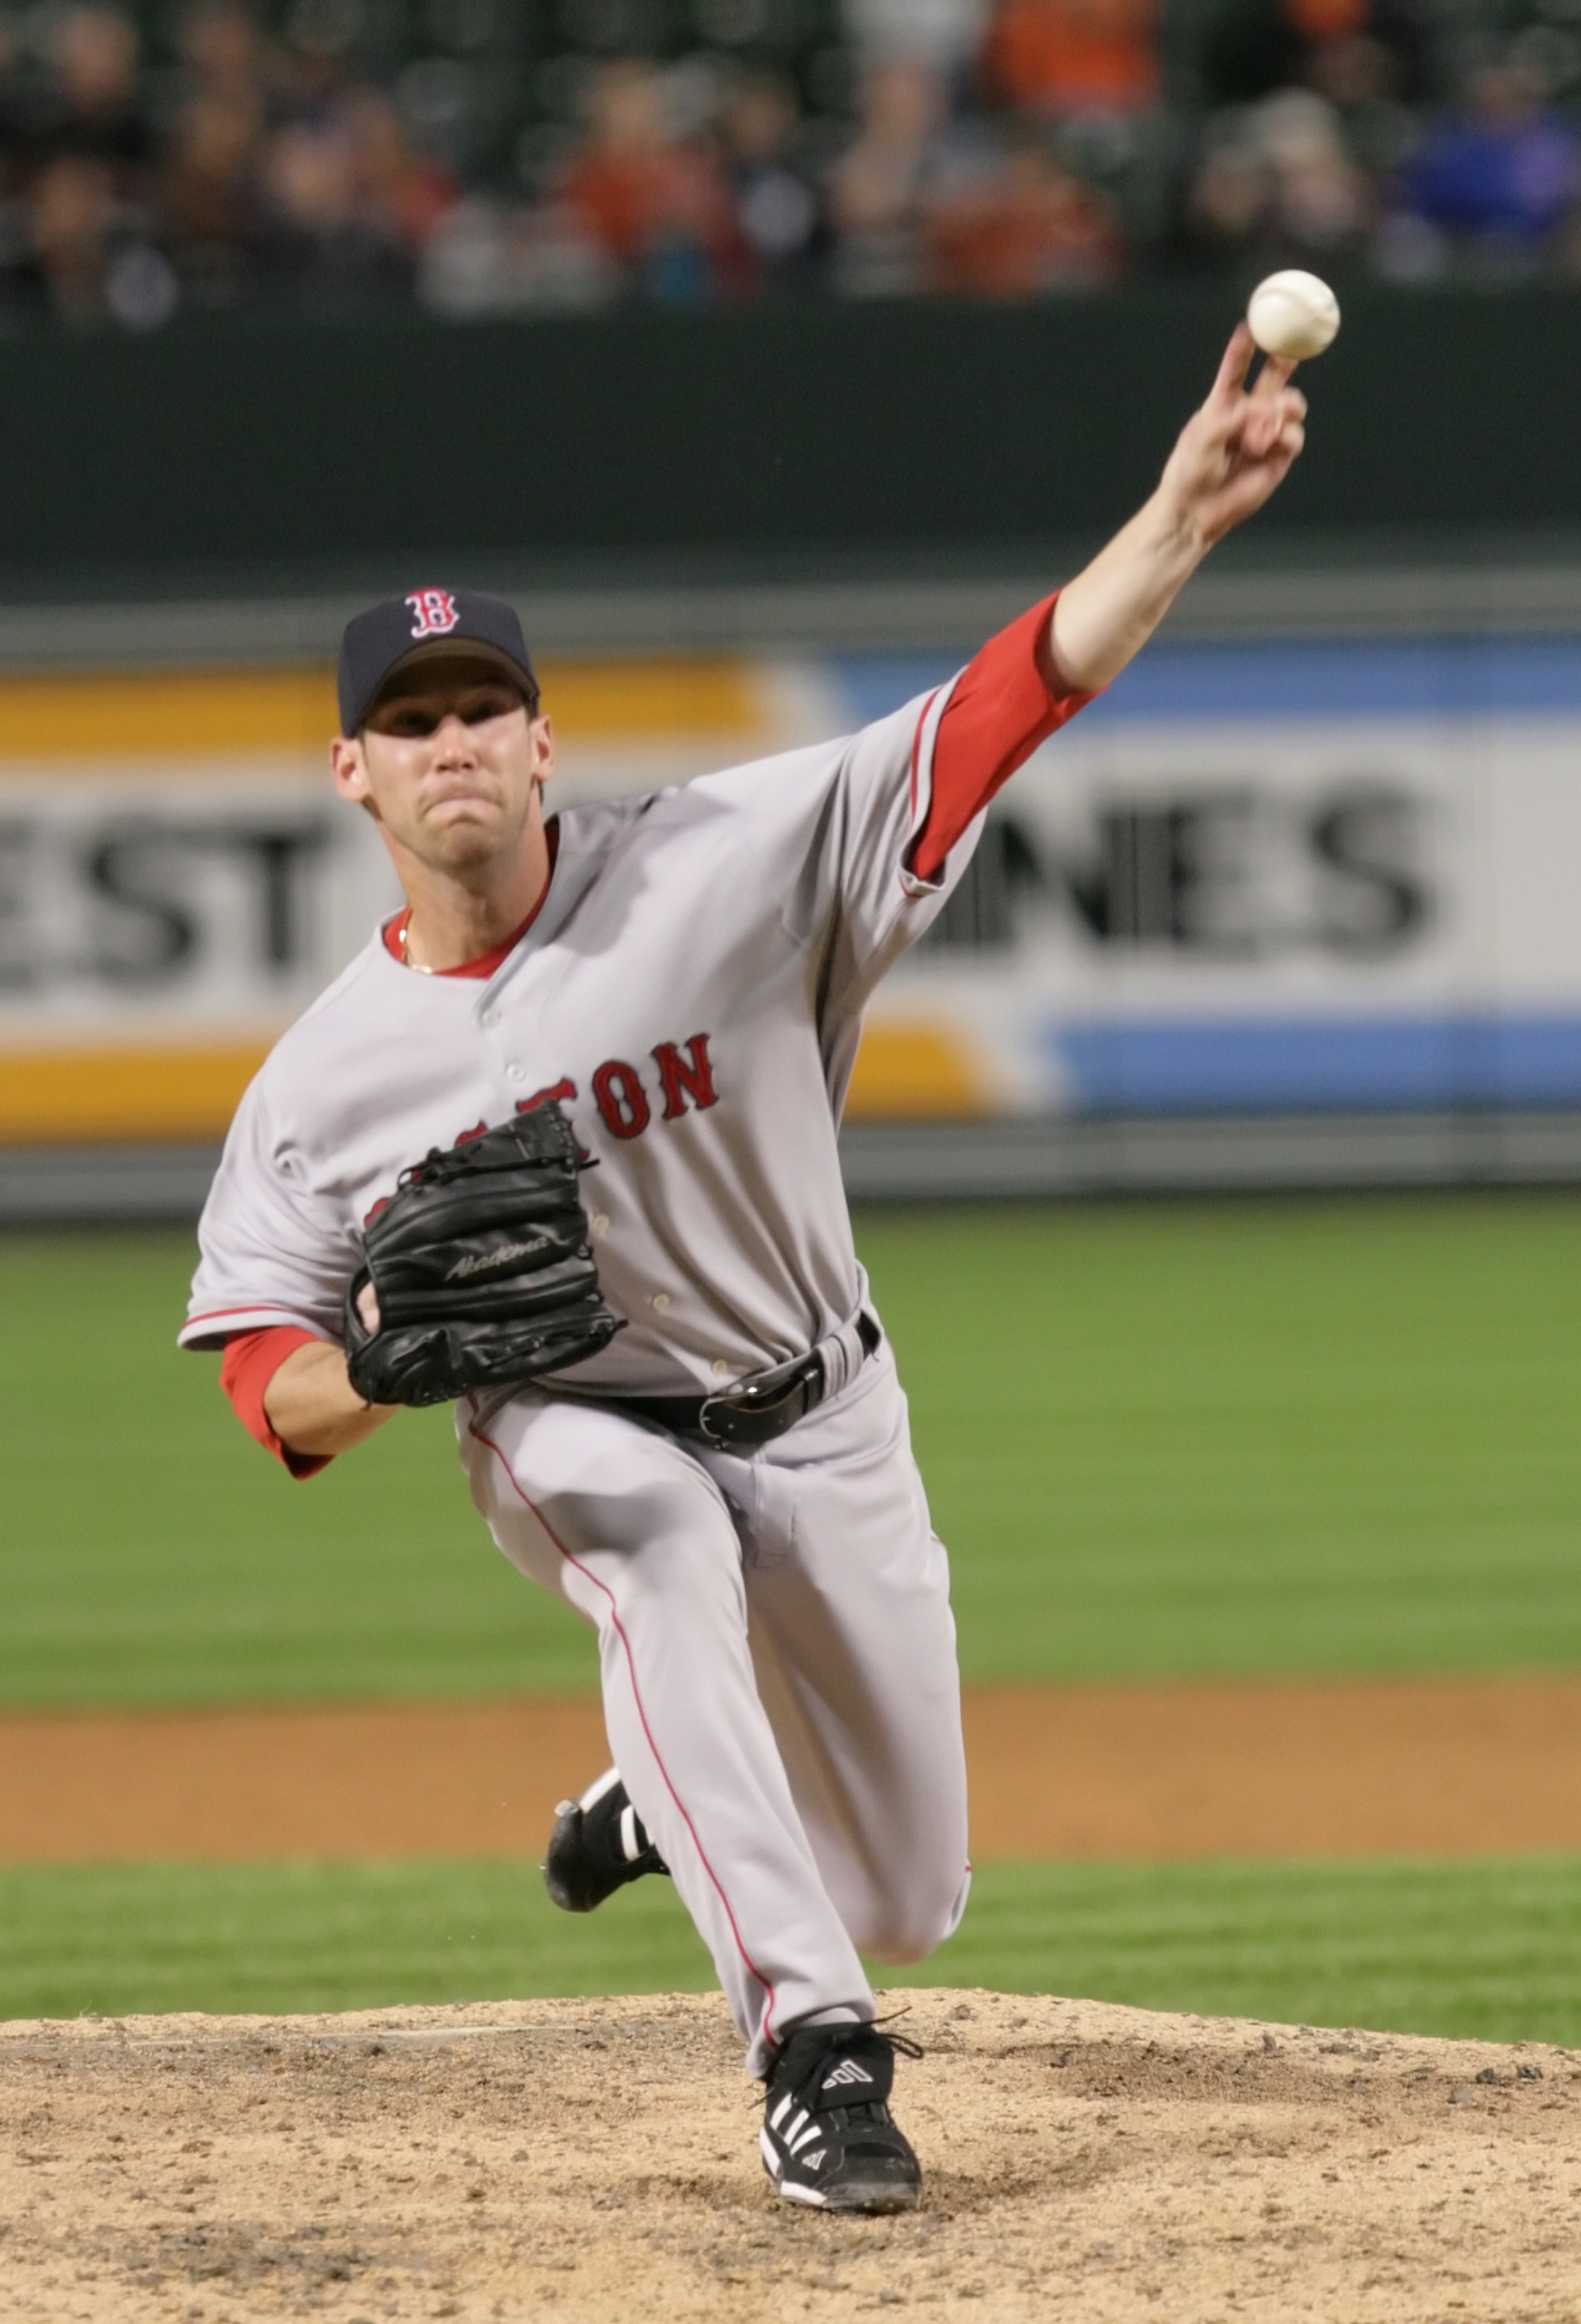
(1197, 1440)
(1482, 1948)
(1318, 1436)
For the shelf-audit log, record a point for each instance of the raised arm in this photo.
(1034, 675)
(1232, 455)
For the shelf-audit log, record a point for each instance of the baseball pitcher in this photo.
(559, 1148)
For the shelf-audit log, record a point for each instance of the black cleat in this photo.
(597, 1846)
(828, 2137)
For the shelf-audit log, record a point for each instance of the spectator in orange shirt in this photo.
(1062, 58)
(658, 205)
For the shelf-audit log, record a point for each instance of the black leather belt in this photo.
(754, 1412)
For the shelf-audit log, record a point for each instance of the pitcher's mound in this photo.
(597, 2160)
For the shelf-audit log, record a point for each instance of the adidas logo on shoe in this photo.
(828, 2137)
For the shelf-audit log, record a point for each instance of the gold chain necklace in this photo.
(406, 958)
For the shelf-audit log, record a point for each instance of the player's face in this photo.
(450, 763)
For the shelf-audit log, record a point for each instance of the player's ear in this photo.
(348, 770)
(541, 733)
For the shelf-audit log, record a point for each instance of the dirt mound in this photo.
(596, 2160)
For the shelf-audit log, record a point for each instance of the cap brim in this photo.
(450, 649)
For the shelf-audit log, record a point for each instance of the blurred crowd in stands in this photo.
(507, 156)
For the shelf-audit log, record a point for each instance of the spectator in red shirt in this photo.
(1022, 231)
(656, 204)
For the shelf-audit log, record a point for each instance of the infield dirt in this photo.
(597, 2161)
(1148, 1773)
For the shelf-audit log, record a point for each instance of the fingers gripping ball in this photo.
(480, 1268)
(1294, 315)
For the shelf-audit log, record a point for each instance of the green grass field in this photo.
(1247, 1438)
(1485, 1948)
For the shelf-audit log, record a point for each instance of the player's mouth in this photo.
(457, 799)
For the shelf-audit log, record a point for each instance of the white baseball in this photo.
(1293, 314)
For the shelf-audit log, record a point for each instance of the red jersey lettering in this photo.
(682, 1081)
(620, 1099)
(560, 1092)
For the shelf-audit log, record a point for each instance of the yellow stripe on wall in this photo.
(86, 1096)
(92, 715)
(916, 1072)
(903, 1073)
(595, 701)
(167, 713)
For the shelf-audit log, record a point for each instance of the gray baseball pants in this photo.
(780, 1686)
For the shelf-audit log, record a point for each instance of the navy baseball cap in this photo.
(424, 625)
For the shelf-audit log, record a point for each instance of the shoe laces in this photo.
(834, 2040)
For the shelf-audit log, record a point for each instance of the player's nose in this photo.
(454, 742)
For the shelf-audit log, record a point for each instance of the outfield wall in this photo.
(1275, 877)
(903, 433)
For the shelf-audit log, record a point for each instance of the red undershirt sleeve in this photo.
(250, 1362)
(1002, 707)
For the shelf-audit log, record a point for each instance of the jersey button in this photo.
(491, 1017)
(660, 1300)
(515, 1072)
(720, 1368)
(601, 1224)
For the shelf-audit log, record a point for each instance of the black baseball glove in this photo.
(481, 1270)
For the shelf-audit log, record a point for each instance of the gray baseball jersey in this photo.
(691, 989)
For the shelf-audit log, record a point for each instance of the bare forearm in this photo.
(1230, 455)
(1103, 618)
(312, 1407)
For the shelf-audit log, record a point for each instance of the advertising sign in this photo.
(1265, 877)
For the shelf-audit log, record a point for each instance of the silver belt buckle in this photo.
(763, 1397)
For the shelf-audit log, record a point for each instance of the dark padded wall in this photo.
(780, 430)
